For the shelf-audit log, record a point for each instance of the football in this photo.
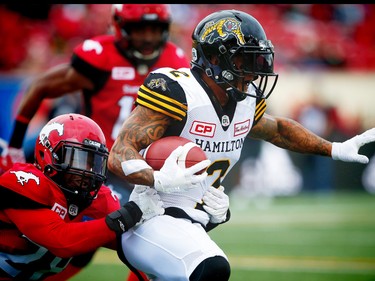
(156, 153)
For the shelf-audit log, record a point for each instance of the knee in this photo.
(212, 269)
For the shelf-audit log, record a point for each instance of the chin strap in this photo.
(236, 94)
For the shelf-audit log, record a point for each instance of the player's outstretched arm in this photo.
(289, 134)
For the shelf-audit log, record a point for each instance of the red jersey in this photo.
(38, 237)
(116, 80)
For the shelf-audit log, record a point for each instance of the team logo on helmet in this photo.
(223, 28)
(46, 130)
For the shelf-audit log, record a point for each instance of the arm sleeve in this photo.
(47, 228)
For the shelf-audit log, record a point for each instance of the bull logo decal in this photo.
(44, 133)
(223, 28)
(23, 177)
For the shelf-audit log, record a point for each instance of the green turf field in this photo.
(303, 238)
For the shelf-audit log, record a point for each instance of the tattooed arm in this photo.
(140, 129)
(291, 135)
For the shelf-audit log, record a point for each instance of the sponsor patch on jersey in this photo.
(130, 89)
(241, 128)
(24, 177)
(62, 211)
(203, 129)
(123, 73)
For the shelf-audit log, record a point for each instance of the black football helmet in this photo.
(229, 34)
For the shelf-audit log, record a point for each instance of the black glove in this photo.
(125, 218)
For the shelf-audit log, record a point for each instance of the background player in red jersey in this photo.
(58, 207)
(108, 70)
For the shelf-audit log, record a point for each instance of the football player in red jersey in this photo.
(58, 207)
(108, 70)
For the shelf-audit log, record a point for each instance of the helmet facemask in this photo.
(157, 45)
(256, 60)
(79, 170)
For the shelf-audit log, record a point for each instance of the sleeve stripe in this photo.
(156, 95)
(260, 114)
(155, 104)
(260, 109)
(161, 103)
(158, 109)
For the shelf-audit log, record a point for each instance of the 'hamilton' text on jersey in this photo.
(222, 146)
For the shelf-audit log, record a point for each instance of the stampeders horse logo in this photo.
(224, 28)
(44, 133)
(24, 177)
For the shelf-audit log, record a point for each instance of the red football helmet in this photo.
(71, 150)
(128, 16)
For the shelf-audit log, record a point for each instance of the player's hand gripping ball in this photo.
(156, 153)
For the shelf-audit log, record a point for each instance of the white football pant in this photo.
(167, 248)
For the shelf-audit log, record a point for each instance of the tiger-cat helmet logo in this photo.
(224, 28)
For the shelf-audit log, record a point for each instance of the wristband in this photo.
(335, 151)
(19, 132)
(124, 218)
(23, 119)
(133, 166)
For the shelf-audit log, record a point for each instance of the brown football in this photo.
(158, 151)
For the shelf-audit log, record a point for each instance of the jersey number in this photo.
(126, 105)
(222, 166)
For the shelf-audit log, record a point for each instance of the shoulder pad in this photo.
(96, 50)
(28, 181)
(162, 92)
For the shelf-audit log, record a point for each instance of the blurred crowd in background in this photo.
(307, 37)
(314, 36)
